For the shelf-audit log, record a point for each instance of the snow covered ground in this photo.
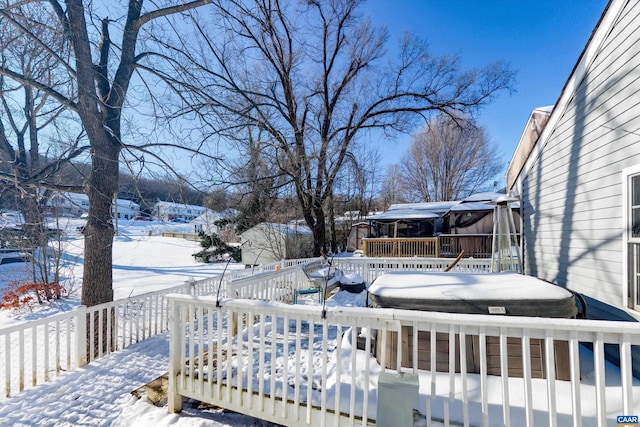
(143, 261)
(100, 393)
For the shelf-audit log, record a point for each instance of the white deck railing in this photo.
(280, 284)
(370, 268)
(291, 365)
(36, 351)
(276, 285)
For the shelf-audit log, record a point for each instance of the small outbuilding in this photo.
(269, 242)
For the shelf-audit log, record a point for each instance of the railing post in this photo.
(174, 400)
(81, 336)
(365, 272)
(189, 288)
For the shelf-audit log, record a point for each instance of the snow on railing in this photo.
(370, 268)
(276, 285)
(33, 352)
(291, 365)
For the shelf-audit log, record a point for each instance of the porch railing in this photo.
(37, 351)
(401, 247)
(370, 268)
(474, 245)
(442, 246)
(34, 352)
(275, 285)
(293, 365)
(280, 284)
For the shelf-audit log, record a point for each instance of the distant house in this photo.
(77, 204)
(179, 212)
(579, 181)
(125, 209)
(213, 222)
(268, 242)
(68, 204)
(443, 229)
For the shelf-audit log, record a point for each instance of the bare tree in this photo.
(392, 190)
(449, 159)
(255, 180)
(27, 113)
(363, 171)
(355, 191)
(315, 77)
(100, 71)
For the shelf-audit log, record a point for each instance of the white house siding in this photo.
(168, 211)
(76, 204)
(572, 194)
(267, 243)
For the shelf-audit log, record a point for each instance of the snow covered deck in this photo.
(293, 365)
(316, 365)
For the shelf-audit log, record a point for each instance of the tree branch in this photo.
(40, 86)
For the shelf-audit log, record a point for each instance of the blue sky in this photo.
(541, 39)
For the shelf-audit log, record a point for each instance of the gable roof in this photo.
(604, 26)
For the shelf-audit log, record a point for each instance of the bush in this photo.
(215, 249)
(21, 295)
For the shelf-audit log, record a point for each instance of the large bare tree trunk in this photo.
(103, 183)
(319, 230)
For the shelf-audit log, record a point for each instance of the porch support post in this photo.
(176, 346)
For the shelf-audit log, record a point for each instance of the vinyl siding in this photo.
(572, 194)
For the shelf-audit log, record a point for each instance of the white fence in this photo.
(293, 365)
(36, 351)
(370, 268)
(59, 343)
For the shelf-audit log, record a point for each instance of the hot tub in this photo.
(507, 294)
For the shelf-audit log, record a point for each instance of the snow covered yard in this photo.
(143, 261)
